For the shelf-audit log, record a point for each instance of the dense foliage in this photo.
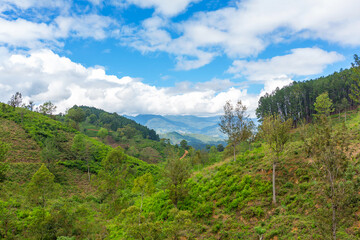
(114, 121)
(57, 182)
(296, 101)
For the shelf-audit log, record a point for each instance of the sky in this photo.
(179, 57)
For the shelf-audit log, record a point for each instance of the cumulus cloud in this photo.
(25, 4)
(248, 28)
(279, 71)
(162, 7)
(299, 62)
(43, 75)
(24, 33)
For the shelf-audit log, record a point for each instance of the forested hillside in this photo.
(114, 121)
(296, 101)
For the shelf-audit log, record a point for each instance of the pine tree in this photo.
(355, 77)
(323, 105)
(42, 186)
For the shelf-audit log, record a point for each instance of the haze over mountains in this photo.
(181, 124)
(197, 131)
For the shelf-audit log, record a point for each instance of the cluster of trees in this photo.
(113, 122)
(236, 124)
(327, 145)
(296, 101)
(47, 108)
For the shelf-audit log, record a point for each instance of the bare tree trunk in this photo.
(333, 221)
(140, 208)
(234, 153)
(345, 116)
(88, 168)
(273, 178)
(333, 207)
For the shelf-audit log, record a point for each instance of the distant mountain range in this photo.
(181, 124)
(198, 141)
(197, 131)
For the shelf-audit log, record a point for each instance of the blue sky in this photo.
(169, 57)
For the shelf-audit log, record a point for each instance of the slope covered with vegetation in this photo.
(296, 101)
(57, 181)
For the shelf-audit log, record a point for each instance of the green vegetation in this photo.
(58, 182)
(296, 101)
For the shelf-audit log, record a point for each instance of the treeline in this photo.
(114, 121)
(296, 101)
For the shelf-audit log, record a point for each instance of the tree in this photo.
(177, 172)
(144, 185)
(42, 186)
(50, 154)
(47, 108)
(15, 100)
(81, 149)
(329, 149)
(128, 131)
(236, 124)
(31, 105)
(102, 133)
(111, 177)
(179, 224)
(323, 105)
(77, 114)
(92, 118)
(355, 77)
(220, 147)
(213, 154)
(184, 144)
(344, 105)
(275, 132)
(128, 227)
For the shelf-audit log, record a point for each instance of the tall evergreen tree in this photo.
(355, 86)
(42, 186)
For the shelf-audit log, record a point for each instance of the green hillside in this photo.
(31, 140)
(58, 183)
(136, 140)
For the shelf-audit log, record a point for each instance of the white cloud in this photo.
(279, 71)
(24, 33)
(25, 4)
(248, 28)
(85, 26)
(299, 62)
(163, 7)
(44, 75)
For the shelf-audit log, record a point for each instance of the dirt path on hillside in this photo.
(186, 153)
